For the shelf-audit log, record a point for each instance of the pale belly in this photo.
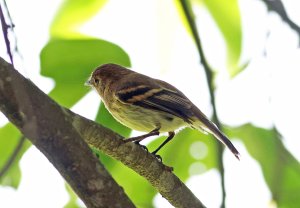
(147, 120)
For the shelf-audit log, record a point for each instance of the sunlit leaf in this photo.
(135, 186)
(228, 18)
(9, 138)
(280, 169)
(72, 15)
(70, 63)
(72, 203)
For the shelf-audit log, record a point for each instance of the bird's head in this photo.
(106, 74)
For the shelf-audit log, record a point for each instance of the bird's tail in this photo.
(204, 124)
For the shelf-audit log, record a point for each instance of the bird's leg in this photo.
(137, 139)
(171, 136)
(143, 146)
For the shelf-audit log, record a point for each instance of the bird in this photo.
(150, 105)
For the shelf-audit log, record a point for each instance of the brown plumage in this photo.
(150, 105)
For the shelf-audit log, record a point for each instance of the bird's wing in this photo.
(159, 96)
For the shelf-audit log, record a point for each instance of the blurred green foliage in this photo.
(69, 57)
(181, 153)
(9, 138)
(69, 62)
(136, 187)
(72, 203)
(280, 169)
(72, 15)
(227, 16)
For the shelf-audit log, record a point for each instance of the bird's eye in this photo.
(97, 81)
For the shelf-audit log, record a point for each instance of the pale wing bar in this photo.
(159, 99)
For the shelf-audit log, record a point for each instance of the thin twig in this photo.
(16, 49)
(8, 14)
(278, 7)
(12, 157)
(209, 77)
(5, 28)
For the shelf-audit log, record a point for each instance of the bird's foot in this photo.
(142, 146)
(159, 158)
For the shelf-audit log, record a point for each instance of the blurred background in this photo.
(253, 55)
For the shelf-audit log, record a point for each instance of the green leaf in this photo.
(190, 152)
(136, 187)
(72, 203)
(70, 63)
(228, 18)
(9, 138)
(280, 169)
(72, 15)
(107, 120)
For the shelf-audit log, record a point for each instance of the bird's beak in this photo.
(88, 83)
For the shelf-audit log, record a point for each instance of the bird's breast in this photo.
(143, 119)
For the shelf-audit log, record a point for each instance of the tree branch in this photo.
(44, 122)
(136, 158)
(209, 78)
(278, 7)
(57, 132)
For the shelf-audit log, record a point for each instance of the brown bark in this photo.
(136, 158)
(46, 125)
(59, 134)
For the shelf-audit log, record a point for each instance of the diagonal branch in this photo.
(44, 122)
(136, 158)
(57, 132)
(209, 77)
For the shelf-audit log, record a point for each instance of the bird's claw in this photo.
(158, 157)
(143, 146)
